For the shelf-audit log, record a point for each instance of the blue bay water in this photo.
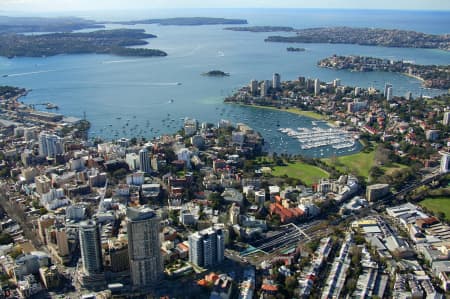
(140, 90)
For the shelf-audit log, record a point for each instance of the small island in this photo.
(432, 76)
(186, 21)
(216, 73)
(292, 49)
(366, 36)
(116, 42)
(262, 29)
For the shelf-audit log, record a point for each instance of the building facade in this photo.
(144, 247)
(207, 247)
(50, 145)
(144, 161)
(90, 247)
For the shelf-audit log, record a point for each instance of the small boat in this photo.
(51, 106)
(178, 83)
(6, 75)
(170, 101)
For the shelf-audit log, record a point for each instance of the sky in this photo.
(86, 5)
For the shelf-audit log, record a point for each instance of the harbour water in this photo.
(146, 97)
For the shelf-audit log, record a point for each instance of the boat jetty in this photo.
(319, 137)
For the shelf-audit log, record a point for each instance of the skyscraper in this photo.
(316, 87)
(91, 251)
(408, 96)
(386, 86)
(144, 161)
(207, 247)
(276, 81)
(254, 87)
(445, 162)
(389, 94)
(336, 83)
(50, 145)
(146, 263)
(446, 118)
(265, 88)
(132, 160)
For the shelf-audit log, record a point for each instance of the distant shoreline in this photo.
(431, 76)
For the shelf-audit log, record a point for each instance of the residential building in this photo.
(446, 119)
(445, 162)
(132, 160)
(265, 86)
(377, 191)
(254, 87)
(316, 87)
(144, 250)
(386, 87)
(389, 94)
(50, 145)
(144, 161)
(207, 247)
(276, 84)
(90, 247)
(43, 184)
(190, 126)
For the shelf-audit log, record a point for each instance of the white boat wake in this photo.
(29, 73)
(120, 61)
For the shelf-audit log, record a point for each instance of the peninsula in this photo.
(366, 36)
(216, 73)
(35, 24)
(433, 76)
(114, 42)
(186, 21)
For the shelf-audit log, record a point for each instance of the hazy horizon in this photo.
(111, 5)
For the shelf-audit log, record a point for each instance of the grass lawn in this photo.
(437, 204)
(359, 163)
(393, 167)
(298, 170)
(310, 114)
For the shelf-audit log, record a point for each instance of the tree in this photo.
(375, 172)
(441, 216)
(173, 215)
(119, 173)
(5, 238)
(276, 220)
(290, 283)
(313, 245)
(248, 165)
(16, 251)
(4, 172)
